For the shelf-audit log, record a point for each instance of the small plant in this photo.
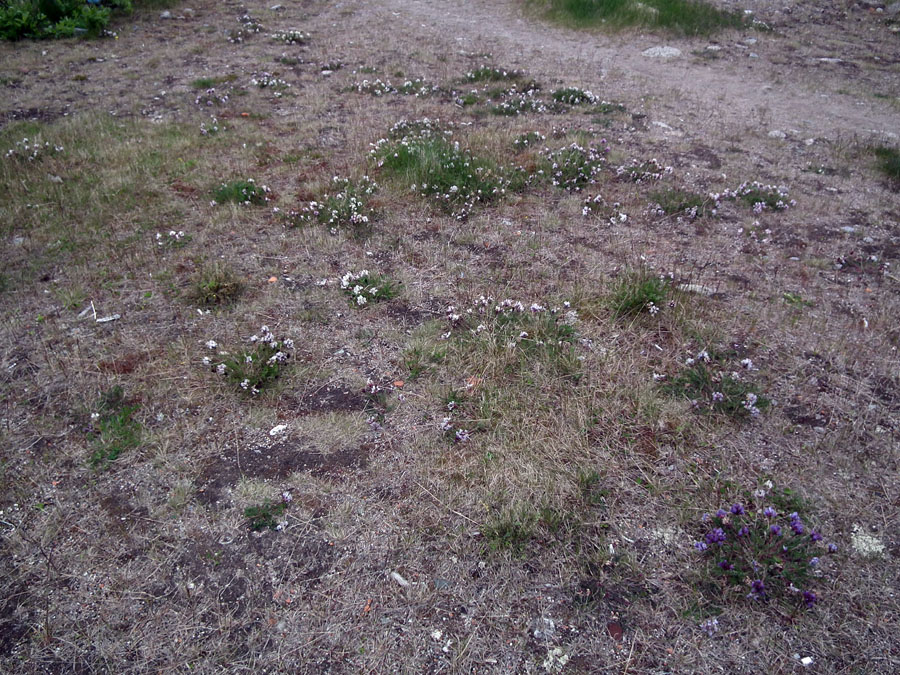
(242, 192)
(39, 19)
(763, 554)
(758, 196)
(674, 202)
(211, 97)
(889, 162)
(375, 87)
(491, 74)
(710, 385)
(115, 429)
(172, 239)
(216, 284)
(517, 101)
(346, 206)
(574, 166)
(454, 178)
(574, 96)
(365, 287)
(529, 139)
(256, 367)
(637, 293)
(512, 530)
(267, 514)
(642, 172)
(211, 128)
(270, 82)
(29, 150)
(291, 37)
(249, 26)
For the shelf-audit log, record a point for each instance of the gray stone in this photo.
(662, 52)
(166, 15)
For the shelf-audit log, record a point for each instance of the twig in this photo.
(430, 494)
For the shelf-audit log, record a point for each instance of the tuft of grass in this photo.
(688, 17)
(241, 192)
(211, 82)
(888, 162)
(115, 428)
(265, 515)
(638, 292)
(365, 287)
(491, 74)
(216, 285)
(673, 202)
(511, 530)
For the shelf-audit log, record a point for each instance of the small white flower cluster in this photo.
(359, 287)
(30, 150)
(269, 81)
(253, 368)
(574, 96)
(515, 102)
(760, 196)
(173, 238)
(375, 87)
(211, 97)
(749, 404)
(290, 37)
(213, 127)
(459, 435)
(643, 172)
(347, 205)
(249, 26)
(490, 73)
(531, 138)
(574, 166)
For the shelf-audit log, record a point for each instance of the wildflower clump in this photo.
(172, 239)
(456, 179)
(242, 192)
(758, 196)
(575, 166)
(268, 81)
(756, 551)
(529, 139)
(642, 172)
(574, 96)
(365, 287)
(346, 206)
(290, 37)
(713, 383)
(252, 369)
(29, 150)
(639, 292)
(268, 514)
(492, 74)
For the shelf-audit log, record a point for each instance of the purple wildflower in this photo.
(737, 509)
(810, 599)
(794, 516)
(815, 536)
(758, 589)
(725, 565)
(743, 532)
(797, 526)
(813, 561)
(721, 513)
(832, 548)
(769, 512)
(716, 536)
(775, 529)
(700, 545)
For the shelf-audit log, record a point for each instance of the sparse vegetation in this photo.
(216, 284)
(889, 162)
(114, 428)
(691, 17)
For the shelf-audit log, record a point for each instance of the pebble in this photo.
(396, 576)
(166, 15)
(777, 133)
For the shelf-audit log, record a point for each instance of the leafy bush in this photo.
(38, 19)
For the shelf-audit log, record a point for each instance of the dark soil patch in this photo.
(336, 397)
(275, 462)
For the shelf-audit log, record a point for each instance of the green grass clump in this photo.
(115, 428)
(456, 179)
(242, 192)
(690, 17)
(511, 531)
(264, 515)
(216, 284)
(365, 287)
(713, 384)
(889, 162)
(636, 293)
(345, 206)
(673, 202)
(251, 370)
(490, 74)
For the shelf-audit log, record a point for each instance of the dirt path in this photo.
(766, 81)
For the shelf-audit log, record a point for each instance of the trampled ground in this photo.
(456, 482)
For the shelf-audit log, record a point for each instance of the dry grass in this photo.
(554, 509)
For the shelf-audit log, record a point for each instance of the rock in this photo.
(544, 628)
(662, 52)
(696, 288)
(396, 576)
(777, 133)
(166, 15)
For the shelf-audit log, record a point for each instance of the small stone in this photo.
(278, 429)
(662, 52)
(777, 133)
(441, 584)
(166, 15)
(396, 576)
(544, 628)
(849, 229)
